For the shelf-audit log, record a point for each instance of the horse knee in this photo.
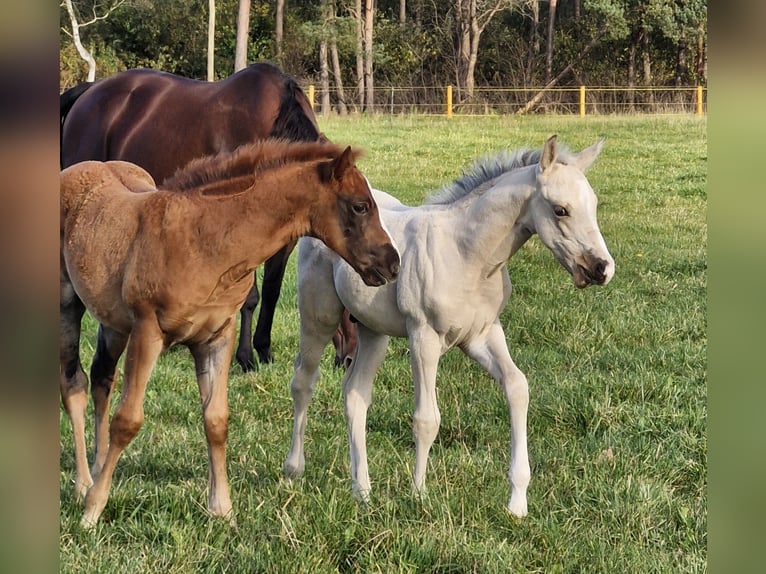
(124, 428)
(425, 429)
(216, 427)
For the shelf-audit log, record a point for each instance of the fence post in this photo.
(699, 101)
(449, 101)
(311, 96)
(582, 101)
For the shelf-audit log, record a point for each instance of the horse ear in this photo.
(586, 157)
(335, 168)
(548, 157)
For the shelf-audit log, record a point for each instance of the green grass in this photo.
(617, 417)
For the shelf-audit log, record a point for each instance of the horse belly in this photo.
(374, 307)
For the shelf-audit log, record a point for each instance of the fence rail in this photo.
(582, 100)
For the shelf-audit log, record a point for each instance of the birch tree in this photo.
(77, 25)
(211, 41)
(471, 19)
(243, 31)
(279, 19)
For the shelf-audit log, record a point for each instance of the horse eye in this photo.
(560, 211)
(360, 208)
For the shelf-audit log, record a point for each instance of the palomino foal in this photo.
(451, 290)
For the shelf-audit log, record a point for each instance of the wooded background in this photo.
(357, 51)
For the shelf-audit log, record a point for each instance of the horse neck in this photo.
(495, 218)
(261, 220)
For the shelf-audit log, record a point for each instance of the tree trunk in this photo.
(701, 63)
(465, 14)
(279, 18)
(632, 50)
(337, 75)
(324, 78)
(243, 33)
(533, 46)
(359, 55)
(211, 42)
(469, 26)
(681, 66)
(402, 12)
(549, 45)
(646, 59)
(85, 54)
(369, 13)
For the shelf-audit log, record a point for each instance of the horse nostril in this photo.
(347, 362)
(600, 269)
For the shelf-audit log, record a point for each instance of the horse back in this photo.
(161, 121)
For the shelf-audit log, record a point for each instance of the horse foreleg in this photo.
(212, 360)
(144, 346)
(357, 394)
(73, 382)
(244, 349)
(494, 357)
(320, 312)
(425, 351)
(273, 274)
(103, 376)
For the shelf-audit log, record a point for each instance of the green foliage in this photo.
(617, 417)
(172, 35)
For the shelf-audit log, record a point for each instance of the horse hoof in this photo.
(88, 521)
(517, 509)
(247, 363)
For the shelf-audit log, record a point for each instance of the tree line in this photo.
(353, 50)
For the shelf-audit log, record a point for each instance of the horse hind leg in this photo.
(357, 394)
(273, 275)
(244, 349)
(144, 346)
(73, 382)
(212, 360)
(103, 376)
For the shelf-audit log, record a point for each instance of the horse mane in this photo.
(245, 163)
(487, 168)
(292, 123)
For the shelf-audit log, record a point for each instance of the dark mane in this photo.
(245, 162)
(488, 168)
(292, 123)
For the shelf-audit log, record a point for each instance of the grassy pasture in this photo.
(617, 417)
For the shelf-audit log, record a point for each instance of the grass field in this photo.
(617, 416)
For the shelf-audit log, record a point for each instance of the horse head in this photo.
(353, 228)
(564, 214)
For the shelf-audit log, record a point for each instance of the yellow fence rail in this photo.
(579, 100)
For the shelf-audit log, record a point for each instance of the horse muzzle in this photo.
(599, 272)
(382, 268)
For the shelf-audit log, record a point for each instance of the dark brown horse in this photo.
(160, 122)
(161, 267)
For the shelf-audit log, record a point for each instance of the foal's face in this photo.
(565, 218)
(352, 227)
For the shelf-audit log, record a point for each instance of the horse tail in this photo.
(295, 120)
(66, 101)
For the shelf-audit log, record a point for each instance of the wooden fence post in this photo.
(582, 101)
(449, 101)
(699, 101)
(311, 96)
